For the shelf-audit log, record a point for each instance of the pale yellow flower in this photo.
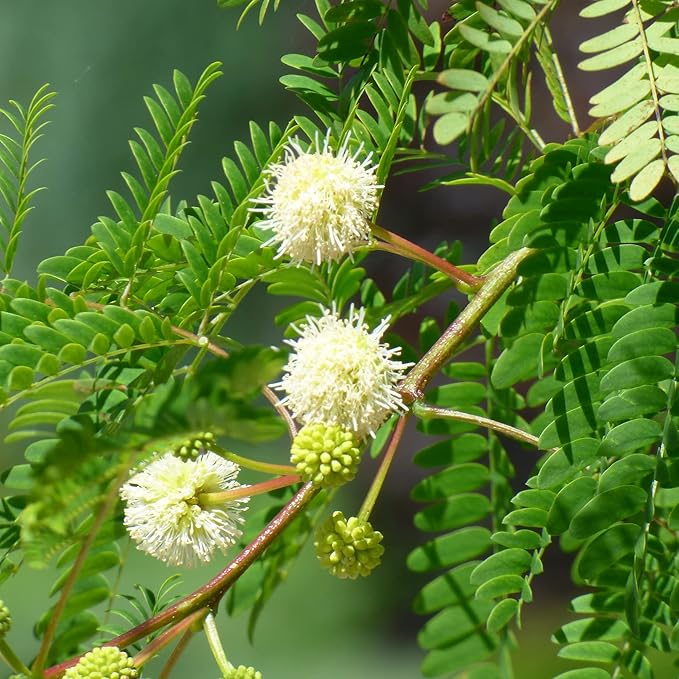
(341, 373)
(319, 204)
(164, 516)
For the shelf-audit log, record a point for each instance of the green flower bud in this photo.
(327, 455)
(5, 619)
(348, 548)
(105, 662)
(243, 672)
(190, 449)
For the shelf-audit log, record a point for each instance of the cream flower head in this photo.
(319, 204)
(164, 514)
(340, 373)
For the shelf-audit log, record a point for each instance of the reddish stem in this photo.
(403, 247)
(162, 640)
(214, 499)
(181, 646)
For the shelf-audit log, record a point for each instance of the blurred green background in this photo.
(102, 57)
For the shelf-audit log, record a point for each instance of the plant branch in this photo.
(518, 117)
(497, 281)
(426, 412)
(162, 640)
(273, 399)
(210, 593)
(204, 342)
(546, 34)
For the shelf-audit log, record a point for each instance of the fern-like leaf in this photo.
(16, 167)
(644, 100)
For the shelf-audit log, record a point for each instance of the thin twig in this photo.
(498, 75)
(177, 651)
(385, 464)
(562, 82)
(427, 412)
(12, 659)
(215, 644)
(270, 395)
(162, 640)
(652, 80)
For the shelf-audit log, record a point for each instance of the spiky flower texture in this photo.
(106, 662)
(341, 373)
(319, 204)
(326, 455)
(164, 514)
(348, 547)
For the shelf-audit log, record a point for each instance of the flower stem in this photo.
(497, 281)
(426, 412)
(12, 659)
(391, 242)
(381, 475)
(216, 499)
(215, 644)
(255, 465)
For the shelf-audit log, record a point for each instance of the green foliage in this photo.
(642, 139)
(120, 351)
(16, 167)
(582, 326)
(141, 605)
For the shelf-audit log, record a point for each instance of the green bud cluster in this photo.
(105, 662)
(243, 672)
(190, 449)
(327, 455)
(5, 619)
(348, 547)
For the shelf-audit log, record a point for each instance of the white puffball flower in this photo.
(319, 204)
(164, 515)
(341, 373)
